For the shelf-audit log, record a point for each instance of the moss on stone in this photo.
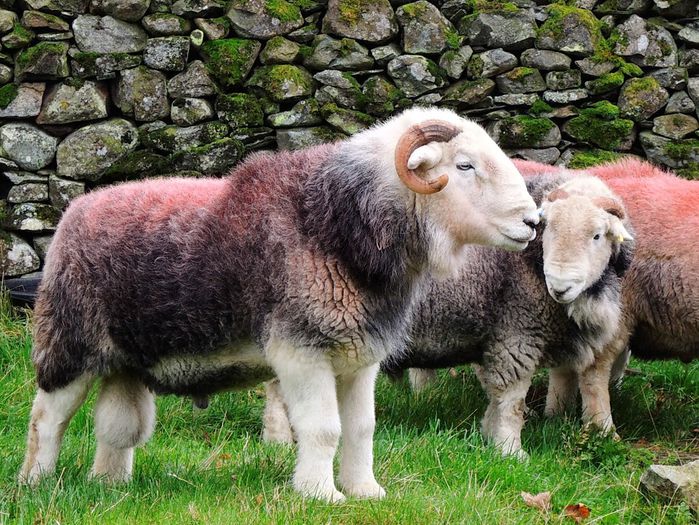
(229, 60)
(539, 107)
(453, 39)
(283, 10)
(589, 158)
(33, 54)
(475, 66)
(8, 93)
(490, 6)
(636, 89)
(240, 110)
(524, 131)
(282, 81)
(691, 171)
(682, 150)
(350, 11)
(520, 73)
(18, 37)
(630, 70)
(135, 165)
(558, 13)
(606, 83)
(600, 126)
(603, 109)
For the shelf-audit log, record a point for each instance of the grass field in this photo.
(211, 467)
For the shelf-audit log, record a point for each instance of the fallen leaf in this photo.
(577, 512)
(541, 501)
(259, 499)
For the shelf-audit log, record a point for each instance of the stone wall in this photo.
(98, 91)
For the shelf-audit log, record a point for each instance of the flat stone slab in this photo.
(674, 482)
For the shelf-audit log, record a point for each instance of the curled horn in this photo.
(557, 194)
(611, 206)
(416, 136)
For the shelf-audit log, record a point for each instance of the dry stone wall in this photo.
(98, 91)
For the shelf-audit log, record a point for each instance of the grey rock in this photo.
(674, 482)
(641, 98)
(431, 99)
(39, 20)
(680, 102)
(332, 77)
(29, 192)
(46, 60)
(55, 37)
(346, 54)
(693, 89)
(376, 25)
(7, 20)
(66, 103)
(656, 149)
(511, 133)
(544, 156)
(280, 50)
(23, 177)
(198, 8)
(129, 10)
(170, 139)
(415, 75)
(384, 54)
(87, 65)
(469, 92)
(689, 58)
(304, 34)
(645, 45)
(623, 7)
(521, 80)
(513, 31)
(254, 18)
(690, 33)
(214, 28)
(594, 68)
(5, 74)
(571, 35)
(27, 102)
(425, 30)
(166, 24)
(346, 120)
(188, 111)
(558, 80)
(675, 126)
(545, 60)
(33, 217)
(167, 53)
(454, 61)
(108, 35)
(303, 113)
(41, 245)
(27, 145)
(17, 38)
(297, 82)
(671, 77)
(215, 158)
(298, 138)
(346, 98)
(565, 97)
(89, 151)
(142, 92)
(194, 81)
(62, 191)
(491, 63)
(382, 96)
(69, 7)
(676, 8)
(240, 110)
(516, 99)
(16, 256)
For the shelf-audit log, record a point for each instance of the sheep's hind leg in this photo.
(308, 384)
(355, 394)
(562, 391)
(504, 418)
(124, 418)
(275, 420)
(51, 413)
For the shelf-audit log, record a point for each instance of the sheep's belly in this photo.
(231, 368)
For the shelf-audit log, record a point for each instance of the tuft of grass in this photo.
(211, 466)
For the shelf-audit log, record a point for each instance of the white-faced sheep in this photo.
(555, 304)
(302, 265)
(660, 291)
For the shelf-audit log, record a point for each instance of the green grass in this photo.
(211, 467)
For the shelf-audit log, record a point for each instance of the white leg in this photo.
(51, 413)
(420, 378)
(594, 390)
(275, 420)
(124, 418)
(562, 393)
(308, 385)
(355, 394)
(504, 417)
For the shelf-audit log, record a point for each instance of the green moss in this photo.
(636, 89)
(135, 165)
(345, 120)
(682, 150)
(350, 10)
(589, 158)
(603, 109)
(560, 14)
(520, 73)
(282, 81)
(240, 110)
(490, 6)
(453, 39)
(691, 171)
(18, 37)
(229, 60)
(8, 93)
(475, 66)
(47, 214)
(283, 10)
(539, 107)
(524, 131)
(606, 83)
(600, 126)
(630, 70)
(35, 53)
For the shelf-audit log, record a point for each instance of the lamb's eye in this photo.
(596, 237)
(464, 167)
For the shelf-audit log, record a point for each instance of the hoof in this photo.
(313, 490)
(368, 490)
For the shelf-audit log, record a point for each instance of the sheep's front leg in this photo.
(504, 418)
(308, 385)
(356, 397)
(275, 420)
(594, 390)
(562, 392)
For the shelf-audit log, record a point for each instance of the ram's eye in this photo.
(596, 237)
(464, 167)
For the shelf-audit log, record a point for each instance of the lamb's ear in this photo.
(425, 157)
(618, 231)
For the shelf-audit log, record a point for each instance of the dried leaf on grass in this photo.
(541, 501)
(578, 512)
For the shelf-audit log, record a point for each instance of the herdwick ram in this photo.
(660, 291)
(303, 265)
(555, 304)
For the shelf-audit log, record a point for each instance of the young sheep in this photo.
(303, 265)
(555, 304)
(660, 290)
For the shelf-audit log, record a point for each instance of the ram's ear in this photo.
(425, 157)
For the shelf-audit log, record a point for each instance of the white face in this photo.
(485, 201)
(578, 240)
